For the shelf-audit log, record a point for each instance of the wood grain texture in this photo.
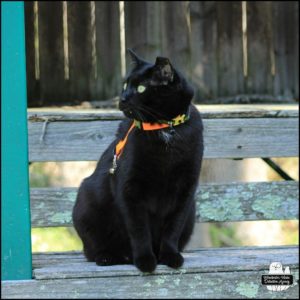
(204, 55)
(80, 54)
(286, 47)
(207, 112)
(53, 86)
(223, 138)
(206, 273)
(175, 34)
(215, 203)
(143, 25)
(107, 35)
(74, 265)
(259, 47)
(33, 98)
(230, 48)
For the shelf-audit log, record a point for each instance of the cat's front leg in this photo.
(137, 224)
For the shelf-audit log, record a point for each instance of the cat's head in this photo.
(153, 92)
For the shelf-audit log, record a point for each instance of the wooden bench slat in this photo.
(210, 273)
(238, 285)
(242, 130)
(207, 111)
(74, 265)
(223, 138)
(215, 202)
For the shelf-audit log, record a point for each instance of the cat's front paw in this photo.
(146, 263)
(171, 259)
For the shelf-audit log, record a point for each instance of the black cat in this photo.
(138, 206)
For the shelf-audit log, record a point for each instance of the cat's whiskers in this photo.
(152, 112)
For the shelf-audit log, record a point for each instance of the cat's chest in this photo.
(166, 137)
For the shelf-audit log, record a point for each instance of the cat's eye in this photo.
(124, 86)
(141, 89)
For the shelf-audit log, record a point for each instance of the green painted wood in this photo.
(215, 203)
(15, 210)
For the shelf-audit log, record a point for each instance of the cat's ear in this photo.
(135, 58)
(163, 72)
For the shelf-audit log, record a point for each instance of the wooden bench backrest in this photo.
(229, 132)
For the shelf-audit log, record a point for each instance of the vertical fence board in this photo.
(230, 48)
(51, 53)
(108, 82)
(142, 29)
(296, 51)
(285, 44)
(259, 79)
(204, 48)
(176, 33)
(154, 22)
(202, 38)
(33, 98)
(80, 50)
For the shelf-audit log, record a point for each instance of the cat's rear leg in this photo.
(100, 229)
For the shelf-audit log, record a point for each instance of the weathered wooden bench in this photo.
(240, 131)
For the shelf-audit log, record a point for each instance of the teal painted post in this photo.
(15, 208)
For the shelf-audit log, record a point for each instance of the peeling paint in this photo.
(221, 210)
(163, 292)
(177, 281)
(160, 280)
(267, 205)
(41, 205)
(148, 284)
(247, 289)
(205, 196)
(71, 196)
(198, 277)
(63, 217)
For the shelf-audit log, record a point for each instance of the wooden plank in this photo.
(33, 98)
(107, 22)
(259, 47)
(143, 29)
(207, 112)
(203, 22)
(240, 138)
(286, 47)
(212, 271)
(296, 51)
(176, 34)
(80, 50)
(230, 48)
(74, 265)
(215, 203)
(47, 259)
(51, 53)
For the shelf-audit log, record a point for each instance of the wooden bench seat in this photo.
(239, 131)
(207, 273)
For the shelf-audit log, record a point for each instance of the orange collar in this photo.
(145, 126)
(162, 124)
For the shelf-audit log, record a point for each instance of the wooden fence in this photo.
(231, 50)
